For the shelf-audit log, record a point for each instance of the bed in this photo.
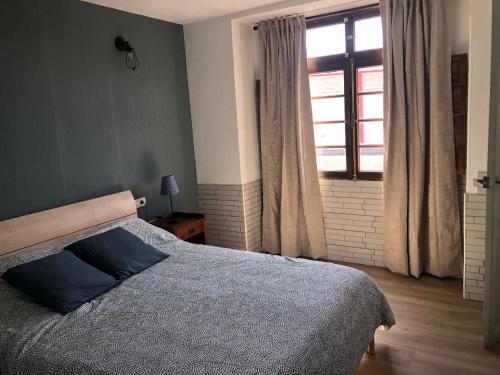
(203, 310)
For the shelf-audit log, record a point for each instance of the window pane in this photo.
(371, 79)
(331, 159)
(329, 83)
(323, 41)
(331, 109)
(368, 34)
(371, 133)
(329, 134)
(371, 106)
(371, 159)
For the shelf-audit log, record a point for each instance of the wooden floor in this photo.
(436, 331)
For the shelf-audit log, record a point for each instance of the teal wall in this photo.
(75, 122)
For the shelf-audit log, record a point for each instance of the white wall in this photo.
(470, 29)
(458, 25)
(210, 67)
(245, 75)
(221, 63)
(222, 68)
(221, 73)
(479, 88)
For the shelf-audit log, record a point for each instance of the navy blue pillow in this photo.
(117, 252)
(61, 281)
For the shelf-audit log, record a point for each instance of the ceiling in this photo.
(183, 11)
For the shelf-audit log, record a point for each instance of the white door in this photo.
(492, 292)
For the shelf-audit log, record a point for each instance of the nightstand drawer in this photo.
(184, 225)
(190, 230)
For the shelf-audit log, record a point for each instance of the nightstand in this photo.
(189, 227)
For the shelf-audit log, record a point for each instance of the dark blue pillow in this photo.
(61, 281)
(117, 252)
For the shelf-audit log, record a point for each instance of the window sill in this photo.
(366, 176)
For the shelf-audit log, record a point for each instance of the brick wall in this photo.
(354, 221)
(233, 214)
(353, 217)
(462, 185)
(474, 243)
(252, 204)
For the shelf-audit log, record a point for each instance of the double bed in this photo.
(203, 310)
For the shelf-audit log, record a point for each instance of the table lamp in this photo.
(169, 187)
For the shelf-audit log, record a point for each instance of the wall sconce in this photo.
(131, 58)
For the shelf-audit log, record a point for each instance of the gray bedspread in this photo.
(204, 310)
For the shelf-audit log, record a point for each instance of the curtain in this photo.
(422, 227)
(292, 222)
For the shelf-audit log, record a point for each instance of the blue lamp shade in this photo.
(168, 185)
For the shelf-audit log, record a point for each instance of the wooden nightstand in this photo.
(189, 227)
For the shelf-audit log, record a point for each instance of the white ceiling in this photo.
(183, 11)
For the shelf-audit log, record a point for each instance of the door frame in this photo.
(492, 333)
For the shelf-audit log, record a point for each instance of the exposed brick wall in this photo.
(354, 221)
(252, 205)
(474, 247)
(353, 217)
(462, 185)
(223, 207)
(233, 214)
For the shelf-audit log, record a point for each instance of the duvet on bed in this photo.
(203, 310)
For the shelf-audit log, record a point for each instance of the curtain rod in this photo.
(256, 27)
(325, 15)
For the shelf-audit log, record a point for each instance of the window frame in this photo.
(349, 63)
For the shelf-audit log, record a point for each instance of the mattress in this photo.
(203, 310)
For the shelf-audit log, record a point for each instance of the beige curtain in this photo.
(422, 228)
(292, 215)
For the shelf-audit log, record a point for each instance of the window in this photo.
(346, 77)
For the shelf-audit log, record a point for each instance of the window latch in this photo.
(487, 182)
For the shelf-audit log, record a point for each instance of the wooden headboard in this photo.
(64, 223)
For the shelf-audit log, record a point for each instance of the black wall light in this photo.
(130, 56)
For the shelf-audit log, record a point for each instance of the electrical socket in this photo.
(140, 202)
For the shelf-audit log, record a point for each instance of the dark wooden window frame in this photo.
(349, 63)
(459, 84)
